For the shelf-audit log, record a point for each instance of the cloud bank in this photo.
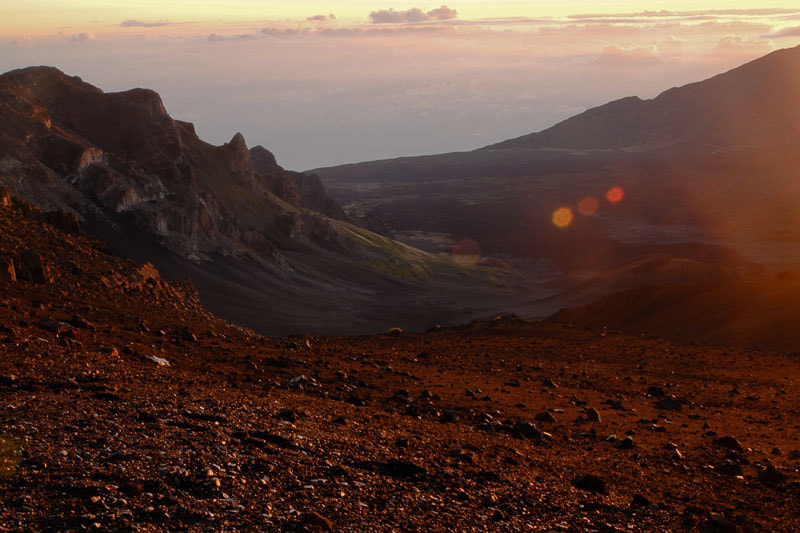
(411, 16)
(131, 23)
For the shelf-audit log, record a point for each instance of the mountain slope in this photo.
(753, 104)
(751, 314)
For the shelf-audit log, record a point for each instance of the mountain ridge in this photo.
(713, 111)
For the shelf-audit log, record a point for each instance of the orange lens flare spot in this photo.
(615, 195)
(588, 206)
(562, 217)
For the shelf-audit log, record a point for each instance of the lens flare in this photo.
(588, 206)
(562, 217)
(615, 195)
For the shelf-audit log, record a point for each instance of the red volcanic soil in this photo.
(499, 426)
(760, 314)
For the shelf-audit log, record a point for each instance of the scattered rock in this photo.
(590, 483)
(616, 405)
(730, 468)
(526, 430)
(312, 521)
(640, 501)
(450, 417)
(626, 444)
(772, 477)
(400, 469)
(79, 322)
(51, 325)
(592, 414)
(288, 415)
(7, 270)
(721, 523)
(299, 382)
(655, 391)
(549, 383)
(727, 442)
(160, 361)
(544, 417)
(31, 267)
(668, 404)
(187, 335)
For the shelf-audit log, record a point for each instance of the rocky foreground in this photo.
(126, 407)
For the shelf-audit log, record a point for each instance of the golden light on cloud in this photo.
(588, 206)
(615, 195)
(562, 217)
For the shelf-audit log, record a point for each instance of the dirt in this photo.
(487, 427)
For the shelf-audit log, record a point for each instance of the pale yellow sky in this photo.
(42, 17)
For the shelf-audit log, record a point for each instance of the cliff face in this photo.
(119, 160)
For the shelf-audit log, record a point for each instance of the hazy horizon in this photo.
(371, 82)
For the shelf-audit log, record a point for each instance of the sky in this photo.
(370, 79)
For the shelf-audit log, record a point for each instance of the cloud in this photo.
(82, 37)
(390, 16)
(322, 18)
(626, 56)
(793, 31)
(215, 37)
(131, 23)
(737, 45)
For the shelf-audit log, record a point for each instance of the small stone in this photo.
(640, 501)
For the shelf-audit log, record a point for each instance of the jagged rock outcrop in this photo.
(296, 188)
(119, 160)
